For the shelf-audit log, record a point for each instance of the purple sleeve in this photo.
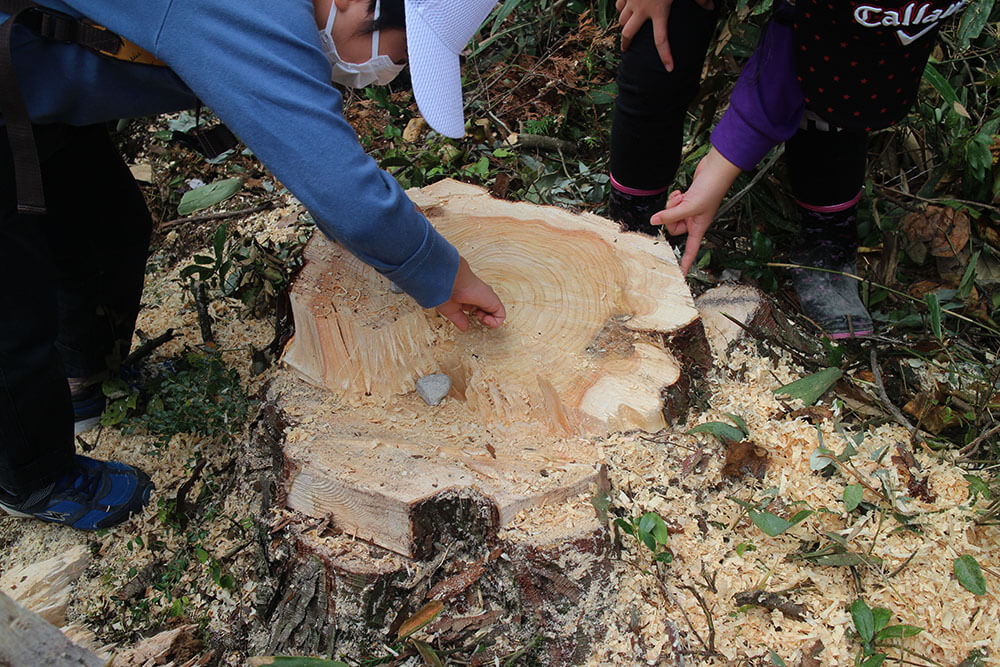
(766, 105)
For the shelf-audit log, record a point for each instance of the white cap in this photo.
(436, 33)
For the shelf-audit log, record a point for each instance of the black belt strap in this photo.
(27, 169)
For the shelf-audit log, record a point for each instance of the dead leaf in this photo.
(424, 615)
(453, 585)
(919, 289)
(814, 413)
(743, 458)
(810, 658)
(944, 229)
(691, 462)
(414, 129)
(451, 629)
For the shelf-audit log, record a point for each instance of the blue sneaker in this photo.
(87, 409)
(92, 495)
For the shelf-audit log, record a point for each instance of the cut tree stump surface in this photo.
(584, 352)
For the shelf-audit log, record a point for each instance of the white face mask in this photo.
(378, 69)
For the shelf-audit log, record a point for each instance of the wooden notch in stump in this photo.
(581, 354)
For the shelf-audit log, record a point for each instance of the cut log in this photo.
(580, 295)
(28, 639)
(733, 312)
(544, 583)
(584, 352)
(483, 500)
(44, 587)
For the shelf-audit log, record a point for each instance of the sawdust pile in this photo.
(719, 552)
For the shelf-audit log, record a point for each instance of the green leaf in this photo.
(664, 557)
(838, 560)
(820, 458)
(739, 422)
(601, 502)
(499, 15)
(208, 195)
(874, 660)
(864, 622)
(977, 487)
(881, 616)
(429, 655)
(969, 574)
(604, 94)
(811, 387)
(653, 524)
(203, 272)
(776, 659)
(721, 430)
(219, 241)
(969, 277)
(934, 307)
(940, 84)
(648, 540)
(773, 525)
(625, 526)
(201, 555)
(852, 496)
(974, 19)
(898, 632)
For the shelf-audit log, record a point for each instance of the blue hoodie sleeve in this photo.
(766, 104)
(258, 65)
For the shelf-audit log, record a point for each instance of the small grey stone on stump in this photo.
(433, 388)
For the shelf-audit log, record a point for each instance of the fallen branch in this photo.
(771, 602)
(204, 319)
(147, 347)
(972, 446)
(893, 410)
(221, 215)
(545, 143)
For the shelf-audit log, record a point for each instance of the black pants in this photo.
(70, 284)
(647, 131)
(825, 167)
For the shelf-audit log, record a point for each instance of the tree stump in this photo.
(482, 500)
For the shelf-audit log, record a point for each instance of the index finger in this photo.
(662, 40)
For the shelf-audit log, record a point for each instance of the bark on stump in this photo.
(480, 502)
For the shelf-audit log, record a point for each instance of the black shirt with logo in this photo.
(860, 63)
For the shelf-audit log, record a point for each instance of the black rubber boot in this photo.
(633, 212)
(828, 243)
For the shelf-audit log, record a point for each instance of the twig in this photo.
(180, 503)
(204, 319)
(545, 143)
(771, 601)
(708, 617)
(905, 563)
(221, 215)
(667, 441)
(884, 397)
(147, 347)
(939, 200)
(235, 550)
(971, 447)
(753, 181)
